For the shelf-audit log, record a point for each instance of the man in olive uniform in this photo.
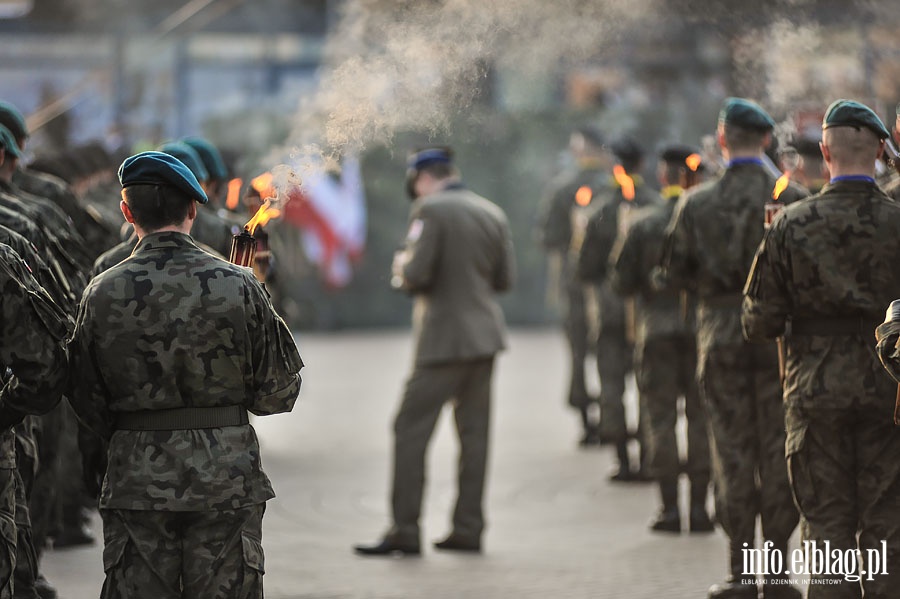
(617, 202)
(665, 362)
(708, 251)
(821, 278)
(458, 256)
(173, 347)
(565, 210)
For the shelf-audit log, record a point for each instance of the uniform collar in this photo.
(849, 184)
(164, 240)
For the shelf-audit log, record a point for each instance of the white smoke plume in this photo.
(395, 65)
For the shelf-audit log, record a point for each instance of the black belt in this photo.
(181, 418)
(831, 327)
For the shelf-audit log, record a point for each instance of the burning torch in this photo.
(248, 248)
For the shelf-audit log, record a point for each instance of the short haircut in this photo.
(741, 138)
(156, 206)
(851, 146)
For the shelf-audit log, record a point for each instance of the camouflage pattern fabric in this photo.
(170, 555)
(665, 359)
(708, 251)
(557, 217)
(34, 330)
(99, 235)
(827, 258)
(7, 530)
(615, 331)
(170, 327)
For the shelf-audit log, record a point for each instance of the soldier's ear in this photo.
(126, 211)
(192, 211)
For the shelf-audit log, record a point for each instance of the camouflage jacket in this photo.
(170, 327)
(98, 234)
(555, 221)
(605, 230)
(659, 312)
(832, 256)
(710, 245)
(33, 332)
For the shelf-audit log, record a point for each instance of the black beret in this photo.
(849, 113)
(627, 149)
(157, 168)
(746, 114)
(807, 146)
(677, 153)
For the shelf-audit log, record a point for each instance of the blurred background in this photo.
(504, 82)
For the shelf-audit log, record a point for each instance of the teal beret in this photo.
(745, 113)
(12, 119)
(158, 168)
(188, 156)
(210, 156)
(8, 142)
(849, 113)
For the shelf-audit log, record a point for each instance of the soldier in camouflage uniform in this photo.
(173, 347)
(34, 333)
(665, 357)
(564, 213)
(616, 203)
(710, 244)
(33, 348)
(821, 277)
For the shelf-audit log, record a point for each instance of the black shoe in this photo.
(700, 521)
(456, 543)
(621, 475)
(733, 590)
(591, 437)
(667, 521)
(642, 476)
(73, 537)
(388, 546)
(43, 588)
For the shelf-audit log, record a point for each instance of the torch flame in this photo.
(583, 195)
(780, 185)
(234, 193)
(624, 181)
(262, 216)
(263, 185)
(693, 162)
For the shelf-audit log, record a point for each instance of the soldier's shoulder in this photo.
(700, 194)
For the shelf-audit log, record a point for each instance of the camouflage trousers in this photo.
(844, 467)
(575, 324)
(614, 359)
(169, 555)
(8, 485)
(742, 394)
(666, 369)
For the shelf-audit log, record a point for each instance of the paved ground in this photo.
(557, 528)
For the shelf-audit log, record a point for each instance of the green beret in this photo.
(158, 168)
(210, 156)
(746, 114)
(8, 142)
(188, 156)
(12, 119)
(849, 113)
